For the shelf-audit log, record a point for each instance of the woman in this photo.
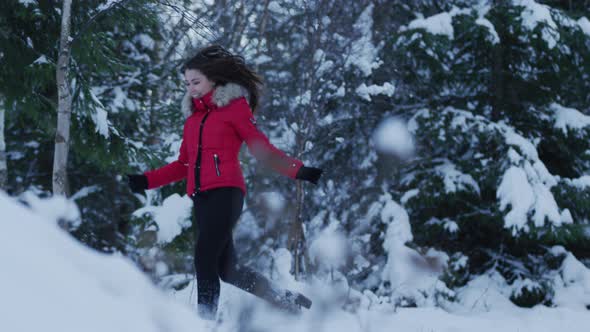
(222, 93)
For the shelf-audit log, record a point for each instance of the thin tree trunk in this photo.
(296, 236)
(261, 32)
(64, 108)
(3, 166)
(297, 243)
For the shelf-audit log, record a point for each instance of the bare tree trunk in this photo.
(296, 244)
(64, 108)
(261, 32)
(3, 166)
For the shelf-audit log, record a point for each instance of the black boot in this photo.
(290, 301)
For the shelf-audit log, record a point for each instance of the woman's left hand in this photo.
(310, 174)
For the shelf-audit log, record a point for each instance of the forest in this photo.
(454, 139)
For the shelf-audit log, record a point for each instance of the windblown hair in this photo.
(222, 67)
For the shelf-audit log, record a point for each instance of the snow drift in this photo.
(51, 282)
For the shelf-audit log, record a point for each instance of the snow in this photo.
(274, 201)
(516, 191)
(409, 272)
(584, 24)
(121, 101)
(439, 24)
(393, 137)
(276, 8)
(323, 66)
(525, 189)
(524, 197)
(366, 92)
(581, 183)
(327, 120)
(363, 53)
(51, 282)
(303, 99)
(495, 39)
(524, 145)
(408, 195)
(341, 92)
(282, 265)
(83, 290)
(172, 216)
(545, 207)
(41, 60)
(368, 161)
(261, 59)
(482, 9)
(455, 180)
(448, 224)
(145, 41)
(85, 191)
(413, 125)
(533, 14)
(99, 116)
(569, 118)
(566, 217)
(572, 284)
(396, 217)
(248, 227)
(57, 209)
(486, 292)
(173, 142)
(108, 4)
(26, 3)
(32, 144)
(329, 249)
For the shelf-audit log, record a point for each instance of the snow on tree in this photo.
(497, 147)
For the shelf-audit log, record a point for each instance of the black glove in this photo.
(137, 182)
(310, 174)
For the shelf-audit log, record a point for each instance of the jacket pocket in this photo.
(216, 161)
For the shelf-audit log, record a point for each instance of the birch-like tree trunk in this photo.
(64, 108)
(3, 166)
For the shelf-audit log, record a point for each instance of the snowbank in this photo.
(51, 282)
(172, 217)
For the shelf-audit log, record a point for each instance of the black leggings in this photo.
(217, 212)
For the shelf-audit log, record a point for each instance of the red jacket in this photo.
(217, 124)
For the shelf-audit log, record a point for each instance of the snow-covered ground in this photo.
(51, 282)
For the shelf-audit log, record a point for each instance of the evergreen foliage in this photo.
(493, 102)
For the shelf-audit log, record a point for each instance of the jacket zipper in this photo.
(198, 163)
(216, 159)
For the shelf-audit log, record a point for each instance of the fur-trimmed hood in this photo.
(222, 96)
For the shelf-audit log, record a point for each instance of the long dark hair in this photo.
(222, 67)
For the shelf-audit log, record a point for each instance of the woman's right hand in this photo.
(311, 174)
(137, 182)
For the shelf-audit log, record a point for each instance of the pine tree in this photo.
(499, 163)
